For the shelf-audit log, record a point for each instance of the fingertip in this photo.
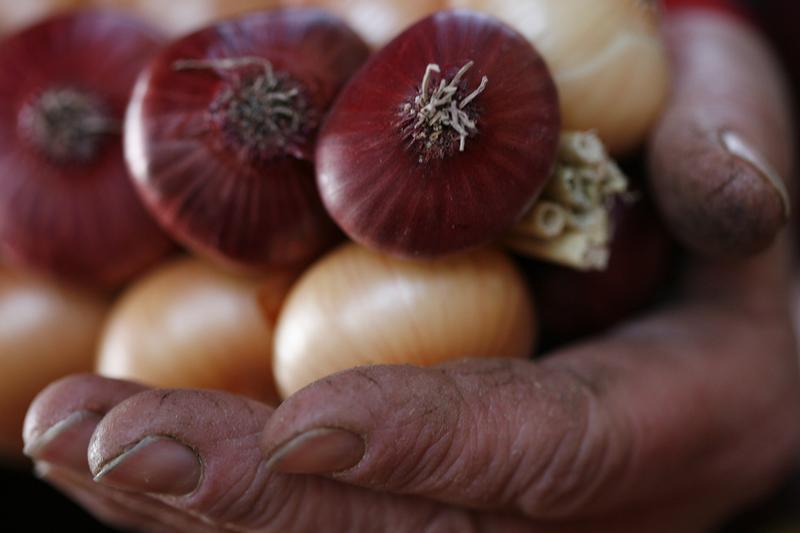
(204, 426)
(318, 451)
(60, 421)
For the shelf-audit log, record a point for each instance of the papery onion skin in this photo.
(358, 307)
(374, 184)
(574, 305)
(189, 325)
(234, 210)
(47, 331)
(378, 21)
(78, 219)
(606, 56)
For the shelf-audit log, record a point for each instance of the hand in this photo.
(667, 424)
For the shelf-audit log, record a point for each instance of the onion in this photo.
(606, 56)
(442, 141)
(357, 307)
(190, 325)
(574, 305)
(222, 127)
(47, 331)
(67, 205)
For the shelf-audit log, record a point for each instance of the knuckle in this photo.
(418, 433)
(577, 452)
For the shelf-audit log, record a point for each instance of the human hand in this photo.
(662, 425)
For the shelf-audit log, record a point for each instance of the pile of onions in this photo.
(435, 149)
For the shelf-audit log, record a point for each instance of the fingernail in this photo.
(65, 443)
(157, 465)
(319, 451)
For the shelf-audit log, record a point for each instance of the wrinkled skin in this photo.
(667, 424)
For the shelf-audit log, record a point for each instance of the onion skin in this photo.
(80, 220)
(47, 331)
(189, 325)
(357, 307)
(373, 183)
(574, 305)
(247, 214)
(607, 59)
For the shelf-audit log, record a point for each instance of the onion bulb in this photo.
(576, 305)
(221, 130)
(47, 331)
(606, 56)
(443, 141)
(67, 204)
(189, 325)
(357, 307)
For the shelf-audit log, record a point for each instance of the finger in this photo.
(118, 509)
(59, 426)
(722, 153)
(486, 434)
(197, 451)
(577, 435)
(755, 286)
(62, 418)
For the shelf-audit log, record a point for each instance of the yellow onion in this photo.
(188, 325)
(377, 21)
(15, 14)
(606, 56)
(182, 16)
(47, 331)
(356, 307)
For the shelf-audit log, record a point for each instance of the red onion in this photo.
(443, 140)
(221, 131)
(67, 206)
(574, 304)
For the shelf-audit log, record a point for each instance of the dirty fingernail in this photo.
(157, 465)
(66, 442)
(318, 451)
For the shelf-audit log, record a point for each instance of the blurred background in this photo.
(777, 17)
